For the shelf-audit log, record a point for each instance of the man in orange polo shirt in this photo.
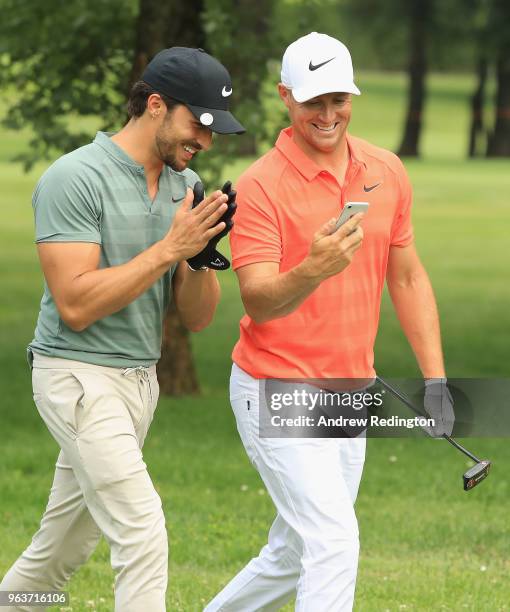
(312, 298)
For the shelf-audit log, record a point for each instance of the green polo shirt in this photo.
(98, 194)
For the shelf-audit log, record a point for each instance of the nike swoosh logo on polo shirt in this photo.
(313, 67)
(178, 198)
(366, 189)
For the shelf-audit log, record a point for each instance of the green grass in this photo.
(426, 545)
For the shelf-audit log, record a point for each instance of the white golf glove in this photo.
(438, 403)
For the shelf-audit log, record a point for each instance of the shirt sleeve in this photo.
(402, 230)
(255, 236)
(66, 206)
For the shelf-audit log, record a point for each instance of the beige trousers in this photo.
(99, 417)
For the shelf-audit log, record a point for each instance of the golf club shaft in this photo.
(408, 403)
(461, 448)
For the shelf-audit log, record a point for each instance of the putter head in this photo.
(476, 474)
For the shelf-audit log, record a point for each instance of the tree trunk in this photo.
(176, 369)
(499, 142)
(419, 19)
(162, 25)
(165, 24)
(150, 35)
(184, 29)
(477, 103)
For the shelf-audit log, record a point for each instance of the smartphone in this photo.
(350, 209)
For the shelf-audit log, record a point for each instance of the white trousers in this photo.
(99, 417)
(313, 546)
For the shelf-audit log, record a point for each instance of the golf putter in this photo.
(475, 474)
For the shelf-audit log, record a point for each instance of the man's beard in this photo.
(168, 152)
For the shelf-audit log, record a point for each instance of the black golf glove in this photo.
(209, 257)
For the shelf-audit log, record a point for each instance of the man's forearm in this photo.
(98, 293)
(416, 309)
(272, 297)
(269, 295)
(196, 296)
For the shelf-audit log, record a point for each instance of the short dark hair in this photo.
(138, 96)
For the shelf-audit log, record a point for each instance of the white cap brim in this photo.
(302, 94)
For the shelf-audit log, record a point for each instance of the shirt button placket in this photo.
(141, 175)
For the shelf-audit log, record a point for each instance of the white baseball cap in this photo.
(316, 64)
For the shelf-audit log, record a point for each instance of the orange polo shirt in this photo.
(283, 199)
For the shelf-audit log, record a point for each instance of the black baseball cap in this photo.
(199, 81)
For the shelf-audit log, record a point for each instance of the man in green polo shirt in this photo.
(114, 230)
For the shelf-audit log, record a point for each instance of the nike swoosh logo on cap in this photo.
(226, 92)
(313, 67)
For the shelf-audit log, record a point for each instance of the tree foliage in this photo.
(78, 58)
(63, 58)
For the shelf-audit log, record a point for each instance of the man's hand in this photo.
(209, 257)
(438, 403)
(331, 253)
(193, 228)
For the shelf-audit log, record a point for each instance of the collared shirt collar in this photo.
(304, 164)
(357, 155)
(103, 139)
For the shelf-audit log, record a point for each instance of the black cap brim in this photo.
(223, 122)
